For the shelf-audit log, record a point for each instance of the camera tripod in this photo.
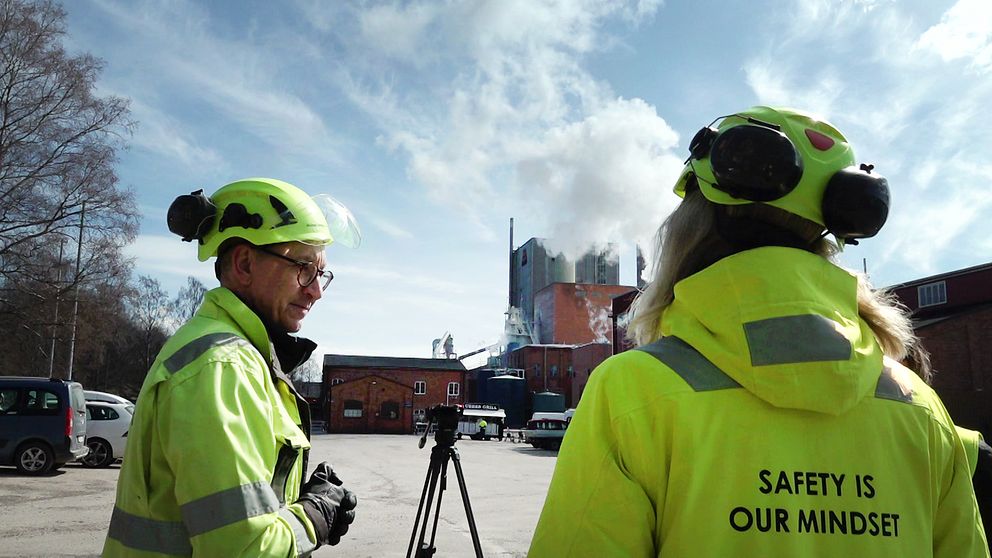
(442, 452)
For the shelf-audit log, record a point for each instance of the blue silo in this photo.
(510, 393)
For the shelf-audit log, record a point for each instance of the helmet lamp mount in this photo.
(236, 215)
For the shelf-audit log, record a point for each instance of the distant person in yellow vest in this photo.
(217, 451)
(764, 411)
(482, 428)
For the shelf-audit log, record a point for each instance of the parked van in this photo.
(546, 430)
(42, 423)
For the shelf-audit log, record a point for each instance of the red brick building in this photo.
(585, 359)
(560, 369)
(621, 305)
(952, 314)
(575, 313)
(388, 395)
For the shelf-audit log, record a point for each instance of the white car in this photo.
(105, 397)
(106, 432)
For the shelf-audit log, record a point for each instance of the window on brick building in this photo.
(454, 388)
(571, 372)
(420, 387)
(352, 408)
(336, 381)
(932, 294)
(554, 370)
(389, 410)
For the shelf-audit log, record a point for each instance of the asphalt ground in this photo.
(66, 513)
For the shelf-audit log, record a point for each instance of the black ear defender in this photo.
(754, 161)
(191, 216)
(856, 203)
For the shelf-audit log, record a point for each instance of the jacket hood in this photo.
(784, 324)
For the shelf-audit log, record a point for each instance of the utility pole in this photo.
(55, 319)
(75, 303)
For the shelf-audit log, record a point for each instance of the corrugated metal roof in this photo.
(361, 361)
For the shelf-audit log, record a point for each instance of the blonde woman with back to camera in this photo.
(764, 412)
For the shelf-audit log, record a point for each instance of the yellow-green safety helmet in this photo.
(261, 211)
(790, 160)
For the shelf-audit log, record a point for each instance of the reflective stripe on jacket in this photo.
(215, 452)
(764, 423)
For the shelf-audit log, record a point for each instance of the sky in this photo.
(437, 122)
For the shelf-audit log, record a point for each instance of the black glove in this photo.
(329, 506)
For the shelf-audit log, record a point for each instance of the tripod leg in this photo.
(440, 495)
(429, 484)
(468, 506)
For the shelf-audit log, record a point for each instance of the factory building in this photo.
(558, 329)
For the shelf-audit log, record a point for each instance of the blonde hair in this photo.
(689, 241)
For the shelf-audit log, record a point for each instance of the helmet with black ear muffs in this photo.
(790, 160)
(261, 211)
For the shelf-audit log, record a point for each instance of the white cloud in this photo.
(239, 77)
(169, 137)
(964, 31)
(918, 117)
(511, 105)
(170, 260)
(387, 227)
(606, 178)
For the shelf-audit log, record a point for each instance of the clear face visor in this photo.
(340, 222)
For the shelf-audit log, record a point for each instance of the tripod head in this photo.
(446, 419)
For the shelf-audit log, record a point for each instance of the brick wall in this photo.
(342, 381)
(571, 313)
(961, 357)
(546, 368)
(585, 359)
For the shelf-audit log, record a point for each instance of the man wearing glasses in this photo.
(217, 451)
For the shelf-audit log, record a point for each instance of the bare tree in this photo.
(188, 300)
(58, 145)
(151, 312)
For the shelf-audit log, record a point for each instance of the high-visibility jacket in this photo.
(765, 422)
(215, 453)
(971, 440)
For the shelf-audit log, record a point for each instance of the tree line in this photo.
(67, 289)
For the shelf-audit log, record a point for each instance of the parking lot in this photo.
(66, 513)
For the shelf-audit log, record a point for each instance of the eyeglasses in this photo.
(308, 271)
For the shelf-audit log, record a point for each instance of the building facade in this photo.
(952, 315)
(387, 395)
(575, 313)
(533, 268)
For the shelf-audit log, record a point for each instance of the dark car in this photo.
(42, 423)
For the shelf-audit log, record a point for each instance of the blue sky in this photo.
(436, 122)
